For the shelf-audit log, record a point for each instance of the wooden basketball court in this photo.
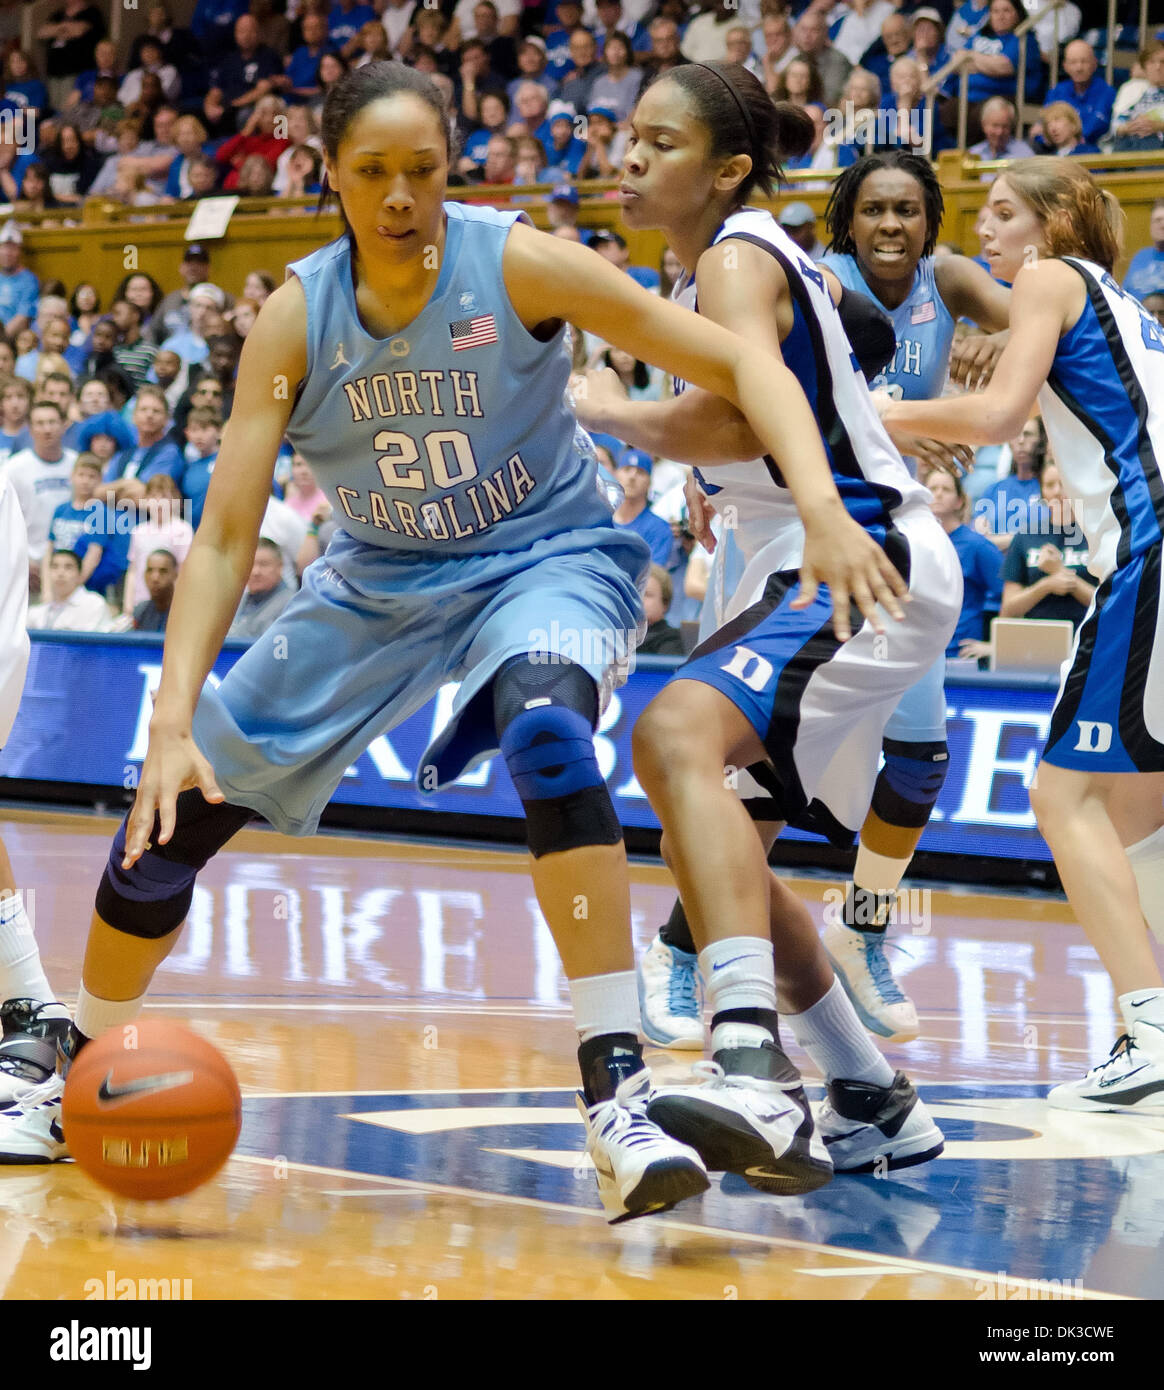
(399, 1023)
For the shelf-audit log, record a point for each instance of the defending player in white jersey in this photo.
(32, 1022)
(1093, 359)
(779, 689)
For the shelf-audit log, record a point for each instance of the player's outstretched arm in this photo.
(548, 279)
(211, 582)
(1046, 299)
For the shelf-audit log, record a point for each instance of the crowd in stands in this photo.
(111, 409)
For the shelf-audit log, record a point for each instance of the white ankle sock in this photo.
(738, 973)
(95, 1016)
(21, 973)
(836, 1040)
(604, 1004)
(1147, 860)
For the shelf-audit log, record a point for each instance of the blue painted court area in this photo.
(1022, 1192)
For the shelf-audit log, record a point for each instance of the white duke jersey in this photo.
(1103, 406)
(873, 481)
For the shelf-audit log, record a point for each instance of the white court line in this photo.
(902, 1265)
(1026, 1047)
(488, 1010)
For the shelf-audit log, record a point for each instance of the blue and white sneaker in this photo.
(877, 1129)
(858, 957)
(1130, 1082)
(669, 996)
(30, 1130)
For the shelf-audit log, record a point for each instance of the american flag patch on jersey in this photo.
(471, 333)
(924, 313)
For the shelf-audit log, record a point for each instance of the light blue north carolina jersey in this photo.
(922, 324)
(1103, 406)
(453, 436)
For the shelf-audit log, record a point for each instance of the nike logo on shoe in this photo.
(57, 1132)
(1120, 1080)
(110, 1094)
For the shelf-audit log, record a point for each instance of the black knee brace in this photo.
(908, 785)
(152, 898)
(545, 710)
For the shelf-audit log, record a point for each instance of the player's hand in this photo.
(974, 358)
(699, 513)
(971, 649)
(843, 555)
(173, 764)
(932, 453)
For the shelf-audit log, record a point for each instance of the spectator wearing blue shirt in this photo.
(19, 287)
(105, 58)
(15, 402)
(1085, 89)
(1013, 503)
(557, 39)
(969, 20)
(152, 452)
(1062, 132)
(614, 248)
(344, 22)
(531, 67)
(203, 431)
(90, 529)
(992, 58)
(22, 87)
(927, 34)
(1146, 272)
(564, 151)
(634, 476)
(980, 560)
(299, 79)
(894, 43)
(611, 19)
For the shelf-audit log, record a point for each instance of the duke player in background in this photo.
(780, 689)
(420, 364)
(1093, 360)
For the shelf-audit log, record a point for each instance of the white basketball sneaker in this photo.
(747, 1123)
(1130, 1082)
(874, 1129)
(30, 1130)
(640, 1169)
(858, 958)
(669, 996)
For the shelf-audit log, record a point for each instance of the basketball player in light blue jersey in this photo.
(420, 363)
(776, 691)
(1093, 359)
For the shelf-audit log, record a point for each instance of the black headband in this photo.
(735, 96)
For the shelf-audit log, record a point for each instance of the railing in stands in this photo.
(1125, 56)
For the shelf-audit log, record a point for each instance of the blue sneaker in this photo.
(858, 957)
(669, 997)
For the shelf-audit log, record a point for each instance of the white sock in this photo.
(94, 1016)
(21, 973)
(604, 1004)
(738, 973)
(836, 1040)
(1147, 860)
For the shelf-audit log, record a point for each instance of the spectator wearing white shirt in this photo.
(396, 18)
(71, 607)
(288, 531)
(41, 478)
(705, 38)
(861, 22)
(152, 60)
(464, 24)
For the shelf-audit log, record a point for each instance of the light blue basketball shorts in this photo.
(373, 635)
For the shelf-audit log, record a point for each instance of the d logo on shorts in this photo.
(752, 669)
(1094, 737)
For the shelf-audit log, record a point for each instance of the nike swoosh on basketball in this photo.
(109, 1093)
